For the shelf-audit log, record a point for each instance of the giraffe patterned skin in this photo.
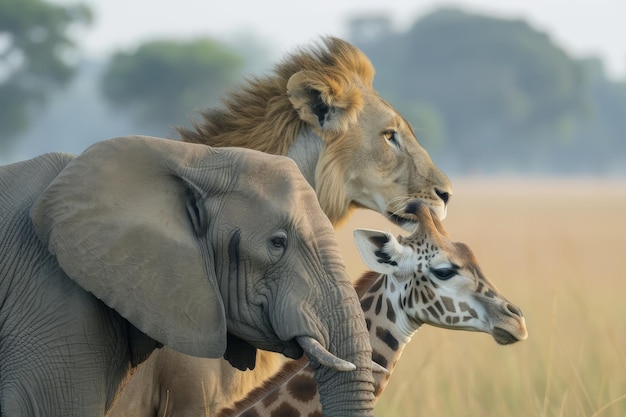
(421, 279)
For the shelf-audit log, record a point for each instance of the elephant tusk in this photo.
(378, 368)
(316, 351)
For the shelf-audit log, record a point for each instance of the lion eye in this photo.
(391, 136)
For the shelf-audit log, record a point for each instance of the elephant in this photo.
(141, 242)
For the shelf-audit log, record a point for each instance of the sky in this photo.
(582, 27)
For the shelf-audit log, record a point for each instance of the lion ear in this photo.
(325, 104)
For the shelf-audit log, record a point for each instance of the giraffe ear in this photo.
(379, 250)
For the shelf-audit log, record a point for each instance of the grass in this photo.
(556, 249)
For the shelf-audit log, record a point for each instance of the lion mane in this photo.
(258, 114)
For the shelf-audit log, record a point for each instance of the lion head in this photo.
(319, 107)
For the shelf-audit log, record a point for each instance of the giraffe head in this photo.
(437, 281)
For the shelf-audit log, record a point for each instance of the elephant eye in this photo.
(279, 242)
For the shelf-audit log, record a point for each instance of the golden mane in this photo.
(289, 368)
(258, 115)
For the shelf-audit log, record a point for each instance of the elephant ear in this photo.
(326, 104)
(125, 224)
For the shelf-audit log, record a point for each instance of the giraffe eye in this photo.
(444, 273)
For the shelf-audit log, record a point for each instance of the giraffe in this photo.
(422, 279)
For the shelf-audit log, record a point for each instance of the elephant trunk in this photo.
(347, 393)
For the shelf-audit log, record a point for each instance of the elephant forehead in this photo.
(285, 189)
(273, 188)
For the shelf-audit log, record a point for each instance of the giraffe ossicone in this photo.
(424, 278)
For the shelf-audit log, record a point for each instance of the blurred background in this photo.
(521, 102)
(491, 87)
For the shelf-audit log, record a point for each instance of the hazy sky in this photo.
(581, 26)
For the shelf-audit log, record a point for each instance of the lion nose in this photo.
(513, 310)
(443, 195)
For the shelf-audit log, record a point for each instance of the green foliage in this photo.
(35, 51)
(501, 88)
(518, 76)
(427, 123)
(163, 81)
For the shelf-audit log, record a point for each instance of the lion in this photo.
(318, 107)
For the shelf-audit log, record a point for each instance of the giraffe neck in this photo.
(293, 391)
(389, 327)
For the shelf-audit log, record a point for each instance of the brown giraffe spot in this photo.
(463, 306)
(449, 304)
(430, 293)
(285, 410)
(391, 314)
(432, 312)
(250, 413)
(379, 359)
(379, 304)
(366, 303)
(490, 293)
(439, 307)
(302, 388)
(387, 338)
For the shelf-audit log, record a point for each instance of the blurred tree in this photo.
(369, 28)
(427, 123)
(599, 146)
(36, 49)
(164, 81)
(500, 86)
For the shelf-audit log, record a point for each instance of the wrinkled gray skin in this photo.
(142, 241)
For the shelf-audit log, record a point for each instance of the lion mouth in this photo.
(502, 337)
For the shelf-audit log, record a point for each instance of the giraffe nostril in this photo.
(443, 195)
(513, 310)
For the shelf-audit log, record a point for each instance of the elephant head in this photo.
(212, 252)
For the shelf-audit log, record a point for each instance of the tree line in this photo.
(497, 95)
(484, 94)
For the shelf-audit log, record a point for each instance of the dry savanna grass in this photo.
(556, 249)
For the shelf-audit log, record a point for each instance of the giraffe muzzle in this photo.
(503, 337)
(511, 327)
